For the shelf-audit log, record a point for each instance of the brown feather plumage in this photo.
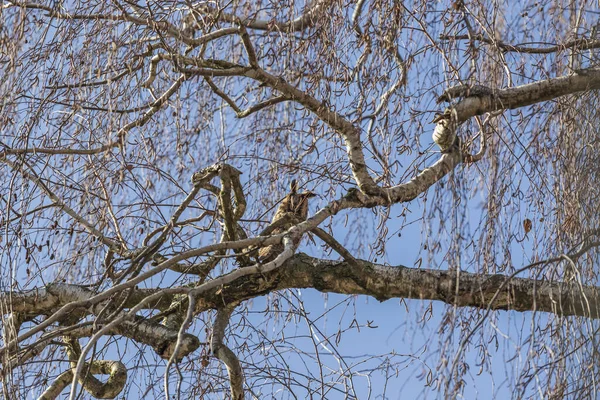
(295, 203)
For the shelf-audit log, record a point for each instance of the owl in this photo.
(296, 203)
(444, 134)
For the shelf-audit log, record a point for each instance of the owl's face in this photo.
(296, 203)
(299, 203)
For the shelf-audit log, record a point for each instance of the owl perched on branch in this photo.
(444, 134)
(294, 208)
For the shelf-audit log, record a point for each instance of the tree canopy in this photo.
(186, 183)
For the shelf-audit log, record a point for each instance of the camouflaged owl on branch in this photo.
(444, 134)
(293, 208)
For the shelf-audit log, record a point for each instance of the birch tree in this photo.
(145, 147)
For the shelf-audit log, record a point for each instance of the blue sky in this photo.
(406, 341)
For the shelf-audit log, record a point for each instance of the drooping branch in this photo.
(31, 175)
(306, 20)
(579, 44)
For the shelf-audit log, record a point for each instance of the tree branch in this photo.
(224, 353)
(112, 244)
(387, 282)
(526, 95)
(305, 21)
(347, 129)
(579, 44)
(116, 371)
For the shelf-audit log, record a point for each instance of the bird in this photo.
(444, 134)
(294, 208)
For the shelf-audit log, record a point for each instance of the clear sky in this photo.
(397, 349)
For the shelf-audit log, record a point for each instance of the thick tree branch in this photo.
(46, 300)
(526, 95)
(494, 292)
(387, 282)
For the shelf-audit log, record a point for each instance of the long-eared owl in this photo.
(295, 203)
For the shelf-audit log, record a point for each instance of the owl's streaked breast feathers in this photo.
(295, 203)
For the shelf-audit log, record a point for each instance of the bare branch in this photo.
(224, 353)
(358, 8)
(531, 93)
(579, 44)
(386, 282)
(262, 105)
(116, 371)
(348, 130)
(222, 95)
(334, 244)
(32, 176)
(67, 151)
(253, 61)
(57, 386)
(212, 36)
(154, 108)
(238, 112)
(306, 21)
(55, 14)
(117, 378)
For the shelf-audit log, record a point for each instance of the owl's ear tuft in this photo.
(294, 186)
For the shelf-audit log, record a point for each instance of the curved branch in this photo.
(116, 371)
(349, 131)
(117, 377)
(57, 386)
(224, 353)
